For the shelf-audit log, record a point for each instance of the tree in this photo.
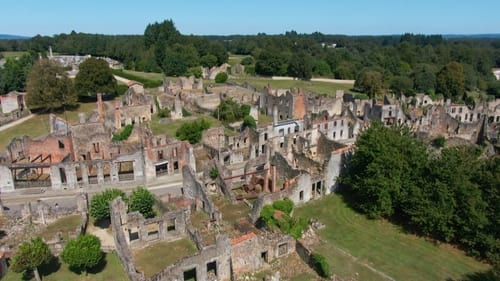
(370, 82)
(230, 111)
(48, 87)
(401, 85)
(221, 77)
(321, 68)
(300, 66)
(30, 256)
(248, 121)
(14, 73)
(99, 205)
(271, 63)
(142, 200)
(82, 253)
(95, 76)
(450, 80)
(424, 78)
(208, 60)
(192, 131)
(247, 61)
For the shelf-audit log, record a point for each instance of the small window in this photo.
(61, 144)
(96, 147)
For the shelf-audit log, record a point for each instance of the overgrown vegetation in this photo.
(192, 131)
(214, 173)
(320, 265)
(452, 197)
(99, 205)
(142, 200)
(221, 77)
(146, 82)
(124, 133)
(278, 215)
(230, 111)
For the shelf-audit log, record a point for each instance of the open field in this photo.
(382, 246)
(171, 127)
(146, 75)
(109, 270)
(63, 225)
(323, 88)
(153, 259)
(39, 125)
(234, 59)
(10, 54)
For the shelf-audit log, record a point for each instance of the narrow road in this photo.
(17, 122)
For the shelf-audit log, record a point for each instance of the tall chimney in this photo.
(100, 109)
(118, 116)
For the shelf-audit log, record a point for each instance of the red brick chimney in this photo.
(118, 116)
(100, 109)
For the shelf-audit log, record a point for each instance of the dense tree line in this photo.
(402, 64)
(451, 195)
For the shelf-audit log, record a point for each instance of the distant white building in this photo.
(496, 72)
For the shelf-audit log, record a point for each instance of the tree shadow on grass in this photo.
(104, 224)
(100, 266)
(51, 267)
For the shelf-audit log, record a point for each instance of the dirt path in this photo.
(17, 122)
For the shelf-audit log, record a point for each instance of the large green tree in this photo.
(48, 87)
(401, 85)
(95, 76)
(99, 205)
(142, 201)
(301, 66)
(370, 82)
(82, 253)
(14, 73)
(192, 131)
(30, 256)
(450, 80)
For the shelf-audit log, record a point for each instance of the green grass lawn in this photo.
(154, 258)
(146, 75)
(324, 88)
(39, 125)
(12, 54)
(110, 270)
(381, 245)
(64, 225)
(234, 59)
(170, 128)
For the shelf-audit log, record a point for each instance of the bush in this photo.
(99, 205)
(248, 121)
(164, 113)
(192, 131)
(214, 173)
(185, 113)
(247, 61)
(195, 71)
(285, 205)
(221, 77)
(142, 201)
(439, 141)
(124, 134)
(320, 265)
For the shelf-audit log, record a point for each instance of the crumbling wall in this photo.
(193, 189)
(220, 253)
(122, 249)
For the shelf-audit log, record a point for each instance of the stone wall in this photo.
(220, 253)
(193, 189)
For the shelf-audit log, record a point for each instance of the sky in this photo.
(224, 17)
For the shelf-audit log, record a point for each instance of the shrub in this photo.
(439, 141)
(221, 77)
(248, 121)
(247, 61)
(142, 201)
(164, 113)
(192, 131)
(285, 205)
(99, 205)
(124, 134)
(214, 173)
(320, 265)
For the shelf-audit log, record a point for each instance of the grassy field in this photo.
(234, 59)
(39, 124)
(64, 225)
(109, 270)
(11, 54)
(324, 88)
(382, 246)
(147, 260)
(146, 75)
(170, 128)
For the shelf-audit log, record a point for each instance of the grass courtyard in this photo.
(353, 244)
(153, 259)
(109, 270)
(324, 88)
